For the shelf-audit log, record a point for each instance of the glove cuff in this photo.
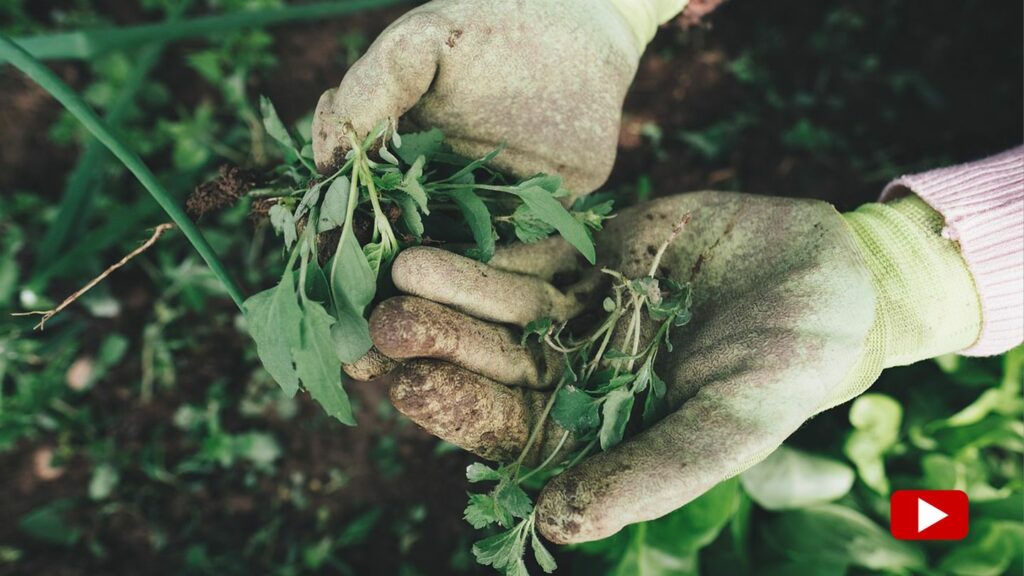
(927, 303)
(644, 16)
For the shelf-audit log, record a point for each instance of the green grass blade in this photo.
(85, 179)
(69, 99)
(86, 44)
(87, 175)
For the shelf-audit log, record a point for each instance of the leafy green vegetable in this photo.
(593, 401)
(790, 478)
(837, 536)
(876, 420)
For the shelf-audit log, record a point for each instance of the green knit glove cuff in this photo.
(644, 16)
(926, 303)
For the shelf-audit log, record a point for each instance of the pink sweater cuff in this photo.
(983, 203)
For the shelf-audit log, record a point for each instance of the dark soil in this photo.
(917, 85)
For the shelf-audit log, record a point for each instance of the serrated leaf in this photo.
(478, 218)
(576, 410)
(614, 416)
(283, 222)
(551, 211)
(513, 499)
(502, 550)
(318, 366)
(274, 319)
(419, 144)
(482, 511)
(480, 472)
(544, 558)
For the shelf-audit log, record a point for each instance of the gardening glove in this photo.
(547, 79)
(796, 309)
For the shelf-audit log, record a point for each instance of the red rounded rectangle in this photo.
(929, 515)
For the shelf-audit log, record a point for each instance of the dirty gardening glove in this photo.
(796, 309)
(545, 78)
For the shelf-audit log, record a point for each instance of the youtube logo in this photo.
(928, 515)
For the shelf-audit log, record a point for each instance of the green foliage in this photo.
(291, 326)
(593, 400)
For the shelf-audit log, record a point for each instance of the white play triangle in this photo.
(927, 515)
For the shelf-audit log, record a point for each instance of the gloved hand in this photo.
(796, 309)
(546, 78)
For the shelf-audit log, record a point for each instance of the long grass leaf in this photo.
(49, 81)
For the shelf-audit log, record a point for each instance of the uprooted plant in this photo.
(605, 374)
(314, 319)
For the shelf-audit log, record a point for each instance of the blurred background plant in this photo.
(138, 430)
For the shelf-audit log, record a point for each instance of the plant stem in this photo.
(535, 432)
(558, 448)
(69, 99)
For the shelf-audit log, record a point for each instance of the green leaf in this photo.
(374, 253)
(273, 124)
(478, 218)
(420, 144)
(317, 286)
(539, 327)
(789, 479)
(529, 227)
(410, 213)
(411, 184)
(988, 550)
(49, 523)
(480, 472)
(317, 364)
(876, 420)
(284, 224)
(274, 318)
(474, 165)
(551, 211)
(334, 209)
(840, 536)
(513, 499)
(350, 334)
(576, 410)
(352, 279)
(104, 479)
(615, 414)
(482, 511)
(544, 558)
(668, 546)
(501, 550)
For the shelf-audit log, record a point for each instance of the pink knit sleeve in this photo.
(983, 203)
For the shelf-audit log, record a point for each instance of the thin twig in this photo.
(47, 314)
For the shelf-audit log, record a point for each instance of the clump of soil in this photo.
(222, 192)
